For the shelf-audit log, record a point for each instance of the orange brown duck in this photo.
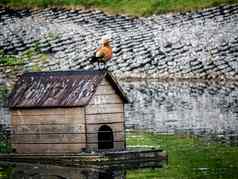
(103, 53)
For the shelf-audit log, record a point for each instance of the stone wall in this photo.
(4, 112)
(4, 116)
(194, 45)
(175, 106)
(199, 44)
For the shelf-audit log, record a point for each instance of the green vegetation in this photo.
(3, 93)
(35, 68)
(5, 147)
(10, 59)
(131, 7)
(189, 158)
(6, 59)
(52, 36)
(24, 58)
(5, 172)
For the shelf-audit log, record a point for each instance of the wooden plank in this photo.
(115, 127)
(47, 111)
(48, 139)
(104, 118)
(106, 99)
(57, 119)
(49, 148)
(119, 145)
(69, 116)
(74, 111)
(93, 146)
(105, 82)
(104, 108)
(41, 111)
(117, 136)
(53, 128)
(102, 90)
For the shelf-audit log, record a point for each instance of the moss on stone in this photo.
(6, 59)
(3, 93)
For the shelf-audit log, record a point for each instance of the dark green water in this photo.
(37, 171)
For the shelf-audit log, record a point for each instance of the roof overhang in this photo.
(60, 89)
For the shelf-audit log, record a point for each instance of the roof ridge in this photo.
(66, 72)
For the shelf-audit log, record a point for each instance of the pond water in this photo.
(38, 171)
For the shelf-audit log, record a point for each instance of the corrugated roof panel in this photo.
(59, 88)
(55, 89)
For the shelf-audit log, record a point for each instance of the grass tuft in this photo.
(189, 157)
(130, 7)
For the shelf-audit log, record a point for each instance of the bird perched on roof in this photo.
(103, 53)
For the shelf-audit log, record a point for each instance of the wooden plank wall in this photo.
(52, 130)
(105, 108)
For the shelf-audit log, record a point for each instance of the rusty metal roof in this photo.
(59, 88)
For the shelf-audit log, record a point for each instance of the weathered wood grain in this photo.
(105, 82)
(57, 119)
(104, 108)
(106, 99)
(41, 111)
(114, 126)
(117, 136)
(56, 130)
(48, 128)
(49, 148)
(105, 89)
(48, 139)
(117, 145)
(48, 116)
(104, 118)
(48, 111)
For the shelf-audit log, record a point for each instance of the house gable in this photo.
(105, 108)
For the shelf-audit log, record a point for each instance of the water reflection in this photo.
(38, 171)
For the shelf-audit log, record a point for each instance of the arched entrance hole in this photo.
(105, 137)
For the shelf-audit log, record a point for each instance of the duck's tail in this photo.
(94, 59)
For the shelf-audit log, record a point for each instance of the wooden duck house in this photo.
(67, 112)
